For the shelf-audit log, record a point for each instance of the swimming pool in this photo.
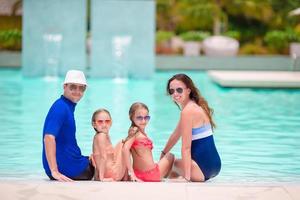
(257, 131)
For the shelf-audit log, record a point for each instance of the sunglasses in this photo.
(106, 121)
(81, 88)
(178, 90)
(141, 118)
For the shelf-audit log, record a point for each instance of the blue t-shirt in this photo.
(60, 123)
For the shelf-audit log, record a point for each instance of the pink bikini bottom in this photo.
(152, 175)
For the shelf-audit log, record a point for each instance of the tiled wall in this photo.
(122, 40)
(122, 37)
(66, 18)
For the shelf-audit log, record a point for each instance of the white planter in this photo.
(191, 48)
(220, 46)
(295, 50)
(176, 43)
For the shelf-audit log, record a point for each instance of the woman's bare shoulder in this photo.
(191, 108)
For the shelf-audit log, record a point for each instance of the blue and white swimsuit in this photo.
(204, 151)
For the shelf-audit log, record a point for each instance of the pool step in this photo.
(257, 79)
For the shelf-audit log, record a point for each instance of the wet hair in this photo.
(133, 108)
(98, 112)
(194, 95)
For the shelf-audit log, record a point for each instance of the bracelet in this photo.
(163, 153)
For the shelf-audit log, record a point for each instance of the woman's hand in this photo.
(180, 179)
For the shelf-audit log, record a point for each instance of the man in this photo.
(62, 158)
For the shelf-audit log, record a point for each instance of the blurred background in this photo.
(260, 26)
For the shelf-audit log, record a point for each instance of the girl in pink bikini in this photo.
(139, 146)
(108, 159)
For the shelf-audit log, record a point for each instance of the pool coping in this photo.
(44, 189)
(13, 59)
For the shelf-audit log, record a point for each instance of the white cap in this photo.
(75, 76)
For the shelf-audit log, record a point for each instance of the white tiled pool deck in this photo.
(90, 190)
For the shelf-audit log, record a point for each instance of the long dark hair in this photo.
(194, 95)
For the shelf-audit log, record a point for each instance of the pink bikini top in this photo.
(142, 142)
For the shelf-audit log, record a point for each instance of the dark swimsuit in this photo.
(204, 151)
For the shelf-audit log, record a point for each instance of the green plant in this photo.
(277, 40)
(163, 42)
(163, 36)
(11, 39)
(293, 36)
(233, 34)
(253, 49)
(194, 35)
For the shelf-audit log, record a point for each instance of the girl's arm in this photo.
(126, 154)
(173, 139)
(186, 130)
(101, 160)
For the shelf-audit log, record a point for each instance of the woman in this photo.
(200, 159)
(139, 146)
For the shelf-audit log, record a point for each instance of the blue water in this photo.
(257, 131)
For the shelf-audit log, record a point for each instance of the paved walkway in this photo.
(44, 189)
(263, 79)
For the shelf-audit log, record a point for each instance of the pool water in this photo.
(257, 132)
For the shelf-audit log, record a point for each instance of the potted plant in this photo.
(192, 42)
(163, 42)
(294, 40)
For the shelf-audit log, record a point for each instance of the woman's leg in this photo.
(165, 165)
(119, 166)
(196, 173)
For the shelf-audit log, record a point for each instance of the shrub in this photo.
(277, 40)
(11, 39)
(253, 49)
(233, 34)
(194, 35)
(293, 36)
(163, 36)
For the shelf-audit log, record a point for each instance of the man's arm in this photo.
(50, 149)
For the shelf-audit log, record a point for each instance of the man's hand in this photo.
(60, 177)
(91, 158)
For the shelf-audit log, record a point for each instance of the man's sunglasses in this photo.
(81, 88)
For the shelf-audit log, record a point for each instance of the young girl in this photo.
(140, 147)
(200, 159)
(109, 160)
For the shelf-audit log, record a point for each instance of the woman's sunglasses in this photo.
(107, 121)
(178, 90)
(141, 118)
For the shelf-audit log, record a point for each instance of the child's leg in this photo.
(165, 164)
(119, 166)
